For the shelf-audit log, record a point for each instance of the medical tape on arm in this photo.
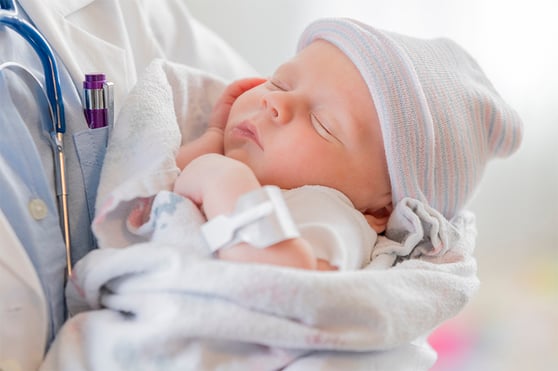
(260, 218)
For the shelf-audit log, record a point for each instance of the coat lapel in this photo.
(86, 37)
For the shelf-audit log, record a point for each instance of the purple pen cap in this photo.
(94, 81)
(95, 106)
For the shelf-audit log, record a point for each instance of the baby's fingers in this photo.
(230, 94)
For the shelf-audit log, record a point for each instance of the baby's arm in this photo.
(212, 140)
(215, 182)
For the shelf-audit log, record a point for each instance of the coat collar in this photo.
(64, 8)
(67, 26)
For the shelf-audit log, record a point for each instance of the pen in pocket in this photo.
(98, 101)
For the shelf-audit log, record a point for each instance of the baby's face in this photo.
(313, 123)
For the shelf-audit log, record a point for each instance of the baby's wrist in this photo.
(216, 139)
(210, 142)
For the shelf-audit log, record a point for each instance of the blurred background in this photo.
(512, 323)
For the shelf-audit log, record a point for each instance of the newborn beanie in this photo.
(441, 118)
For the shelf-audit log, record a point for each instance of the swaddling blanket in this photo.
(145, 303)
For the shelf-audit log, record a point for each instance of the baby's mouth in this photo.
(246, 130)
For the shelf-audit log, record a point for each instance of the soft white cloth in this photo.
(337, 232)
(170, 306)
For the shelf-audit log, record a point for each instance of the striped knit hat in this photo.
(441, 118)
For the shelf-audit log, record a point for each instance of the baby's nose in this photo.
(278, 107)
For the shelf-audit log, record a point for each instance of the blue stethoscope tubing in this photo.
(9, 16)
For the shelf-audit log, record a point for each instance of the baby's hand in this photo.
(139, 214)
(215, 182)
(212, 140)
(220, 113)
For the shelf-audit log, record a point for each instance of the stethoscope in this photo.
(9, 16)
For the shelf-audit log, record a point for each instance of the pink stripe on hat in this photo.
(441, 118)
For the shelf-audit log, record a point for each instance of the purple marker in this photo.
(97, 100)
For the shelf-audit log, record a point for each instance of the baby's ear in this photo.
(378, 219)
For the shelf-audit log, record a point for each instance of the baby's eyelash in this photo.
(277, 84)
(319, 126)
(322, 129)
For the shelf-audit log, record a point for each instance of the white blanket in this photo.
(163, 303)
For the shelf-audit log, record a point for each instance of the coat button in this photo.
(38, 209)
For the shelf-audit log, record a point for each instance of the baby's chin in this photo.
(239, 154)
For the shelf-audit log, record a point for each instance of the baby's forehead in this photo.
(287, 68)
(319, 59)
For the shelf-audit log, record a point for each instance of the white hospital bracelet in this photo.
(261, 218)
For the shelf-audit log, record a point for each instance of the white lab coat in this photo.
(118, 38)
(122, 37)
